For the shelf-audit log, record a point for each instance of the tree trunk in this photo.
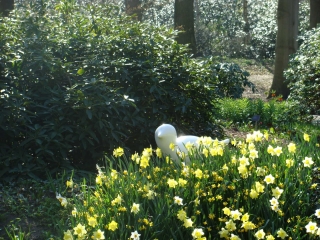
(133, 8)
(246, 29)
(314, 13)
(184, 22)
(287, 16)
(6, 6)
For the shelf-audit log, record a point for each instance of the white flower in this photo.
(178, 200)
(135, 235)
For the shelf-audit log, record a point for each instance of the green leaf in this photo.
(80, 71)
(89, 114)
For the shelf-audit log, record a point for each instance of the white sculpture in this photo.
(167, 134)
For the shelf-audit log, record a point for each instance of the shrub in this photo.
(231, 80)
(80, 80)
(303, 74)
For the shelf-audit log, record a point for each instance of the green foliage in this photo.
(274, 113)
(303, 74)
(221, 29)
(231, 80)
(76, 81)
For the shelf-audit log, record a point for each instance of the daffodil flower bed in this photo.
(258, 188)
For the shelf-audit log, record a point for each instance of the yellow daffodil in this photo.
(189, 146)
(243, 171)
(182, 182)
(224, 233)
(99, 180)
(253, 154)
(144, 162)
(270, 237)
(260, 234)
(276, 192)
(116, 201)
(67, 235)
(205, 152)
(269, 179)
(282, 234)
(253, 194)
(172, 183)
(230, 225)
(197, 233)
(244, 161)
(248, 225)
(258, 136)
(259, 187)
(97, 235)
(80, 230)
(250, 138)
(187, 222)
(270, 150)
(245, 217)
(92, 221)
(147, 152)
(277, 151)
(112, 226)
(182, 215)
(289, 163)
(198, 173)
(118, 152)
(226, 211)
(306, 137)
(274, 201)
(260, 171)
(266, 135)
(69, 183)
(292, 147)
(63, 201)
(135, 208)
(172, 146)
(235, 215)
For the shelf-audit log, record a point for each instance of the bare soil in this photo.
(262, 83)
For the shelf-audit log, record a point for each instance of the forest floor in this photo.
(261, 74)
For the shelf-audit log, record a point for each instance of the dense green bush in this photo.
(78, 81)
(231, 80)
(303, 74)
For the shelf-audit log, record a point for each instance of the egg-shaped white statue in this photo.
(166, 134)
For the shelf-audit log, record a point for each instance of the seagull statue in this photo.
(167, 134)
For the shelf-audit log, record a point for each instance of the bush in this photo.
(303, 74)
(80, 80)
(231, 80)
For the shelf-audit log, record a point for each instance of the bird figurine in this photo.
(166, 135)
